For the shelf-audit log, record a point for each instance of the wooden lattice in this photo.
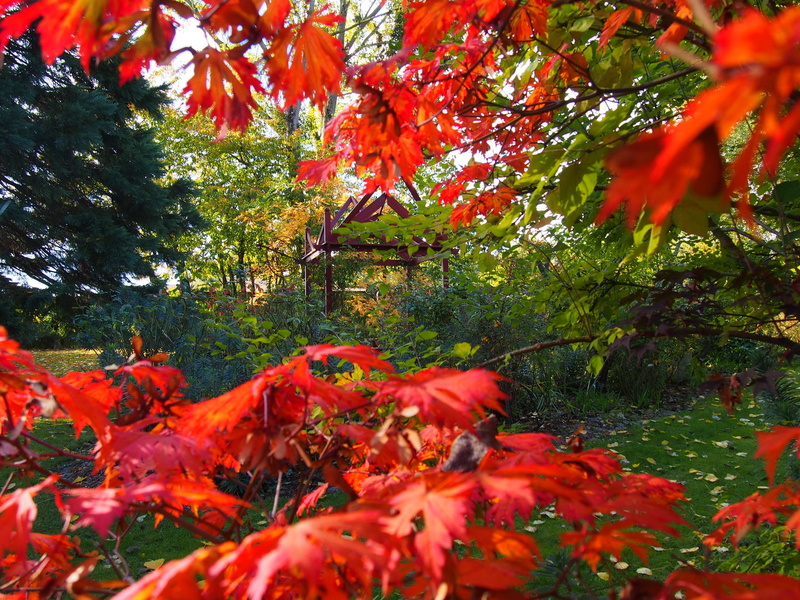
(366, 210)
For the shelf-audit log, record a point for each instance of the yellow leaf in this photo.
(651, 460)
(621, 566)
(603, 575)
(154, 564)
(711, 477)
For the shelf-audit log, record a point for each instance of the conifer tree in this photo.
(83, 210)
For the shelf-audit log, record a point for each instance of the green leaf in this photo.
(463, 350)
(595, 364)
(690, 218)
(426, 335)
(582, 24)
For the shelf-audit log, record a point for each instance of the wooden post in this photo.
(328, 284)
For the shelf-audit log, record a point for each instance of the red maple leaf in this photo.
(317, 172)
(223, 84)
(180, 579)
(18, 511)
(428, 22)
(743, 517)
(443, 502)
(150, 46)
(363, 356)
(611, 538)
(306, 61)
(772, 444)
(445, 397)
(90, 25)
(703, 585)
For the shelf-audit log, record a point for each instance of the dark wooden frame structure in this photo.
(365, 210)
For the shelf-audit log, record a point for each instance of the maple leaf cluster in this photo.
(438, 95)
(299, 56)
(414, 522)
(448, 89)
(754, 65)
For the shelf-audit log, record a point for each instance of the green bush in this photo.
(217, 340)
(768, 550)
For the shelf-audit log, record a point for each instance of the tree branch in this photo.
(791, 346)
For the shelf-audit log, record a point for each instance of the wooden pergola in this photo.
(366, 210)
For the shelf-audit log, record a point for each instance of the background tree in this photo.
(248, 194)
(84, 211)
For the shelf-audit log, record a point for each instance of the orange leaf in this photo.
(771, 445)
(444, 396)
(223, 84)
(136, 343)
(88, 24)
(615, 20)
(427, 22)
(645, 179)
(443, 501)
(306, 62)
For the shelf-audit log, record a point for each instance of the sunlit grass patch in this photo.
(61, 362)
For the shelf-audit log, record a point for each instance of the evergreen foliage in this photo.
(83, 209)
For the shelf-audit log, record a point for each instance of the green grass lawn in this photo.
(706, 450)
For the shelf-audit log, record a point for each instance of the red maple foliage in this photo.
(408, 526)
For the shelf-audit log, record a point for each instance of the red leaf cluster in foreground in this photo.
(409, 526)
